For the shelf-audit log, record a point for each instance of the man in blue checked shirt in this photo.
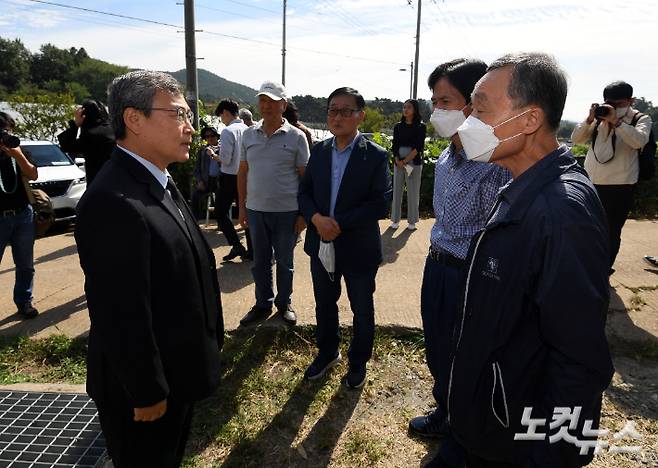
(464, 193)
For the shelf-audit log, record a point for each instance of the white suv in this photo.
(59, 177)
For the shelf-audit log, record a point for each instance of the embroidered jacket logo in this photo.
(491, 270)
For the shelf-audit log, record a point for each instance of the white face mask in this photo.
(479, 140)
(327, 256)
(446, 122)
(621, 111)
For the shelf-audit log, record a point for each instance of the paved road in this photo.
(59, 291)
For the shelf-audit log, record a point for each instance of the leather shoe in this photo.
(356, 376)
(26, 311)
(288, 315)
(235, 252)
(432, 425)
(256, 314)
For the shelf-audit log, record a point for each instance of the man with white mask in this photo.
(530, 359)
(464, 192)
(615, 132)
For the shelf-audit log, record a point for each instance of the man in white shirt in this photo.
(616, 133)
(227, 190)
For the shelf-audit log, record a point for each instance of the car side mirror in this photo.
(80, 162)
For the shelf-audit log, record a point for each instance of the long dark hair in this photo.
(414, 104)
(94, 112)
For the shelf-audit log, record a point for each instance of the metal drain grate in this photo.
(41, 430)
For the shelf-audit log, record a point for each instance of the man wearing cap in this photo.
(206, 169)
(274, 155)
(612, 163)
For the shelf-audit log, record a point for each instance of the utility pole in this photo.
(283, 49)
(192, 94)
(414, 94)
(411, 81)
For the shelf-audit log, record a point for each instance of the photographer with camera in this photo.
(616, 133)
(95, 142)
(16, 215)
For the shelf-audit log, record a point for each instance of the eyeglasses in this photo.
(181, 113)
(343, 112)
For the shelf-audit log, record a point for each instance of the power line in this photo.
(213, 33)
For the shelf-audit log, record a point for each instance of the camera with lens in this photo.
(603, 110)
(9, 140)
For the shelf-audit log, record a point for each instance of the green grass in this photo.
(53, 359)
(265, 414)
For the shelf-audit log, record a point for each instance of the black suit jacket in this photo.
(152, 290)
(362, 201)
(95, 144)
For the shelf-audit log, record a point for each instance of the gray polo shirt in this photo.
(273, 180)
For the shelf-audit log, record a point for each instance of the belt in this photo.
(444, 258)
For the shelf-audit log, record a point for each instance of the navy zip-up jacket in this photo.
(531, 329)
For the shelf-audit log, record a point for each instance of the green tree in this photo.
(15, 60)
(42, 116)
(373, 121)
(51, 63)
(96, 75)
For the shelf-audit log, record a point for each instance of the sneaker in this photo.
(320, 366)
(412, 226)
(653, 261)
(26, 311)
(235, 252)
(288, 314)
(395, 225)
(356, 376)
(256, 314)
(432, 425)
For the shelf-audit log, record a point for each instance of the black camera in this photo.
(9, 140)
(603, 110)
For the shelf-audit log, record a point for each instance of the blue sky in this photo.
(360, 43)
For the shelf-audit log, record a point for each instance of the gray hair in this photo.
(536, 79)
(245, 114)
(137, 89)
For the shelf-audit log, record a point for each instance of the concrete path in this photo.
(59, 285)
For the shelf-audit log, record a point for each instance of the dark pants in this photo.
(18, 231)
(360, 290)
(273, 233)
(227, 193)
(438, 309)
(473, 461)
(617, 201)
(158, 443)
(198, 199)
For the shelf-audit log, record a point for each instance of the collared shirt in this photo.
(339, 160)
(512, 190)
(273, 176)
(229, 151)
(160, 176)
(623, 168)
(464, 193)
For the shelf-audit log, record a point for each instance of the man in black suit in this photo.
(344, 192)
(151, 283)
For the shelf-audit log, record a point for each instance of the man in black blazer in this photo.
(151, 283)
(344, 192)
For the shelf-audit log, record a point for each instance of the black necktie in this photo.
(175, 196)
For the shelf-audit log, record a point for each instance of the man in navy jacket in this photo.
(344, 192)
(530, 338)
